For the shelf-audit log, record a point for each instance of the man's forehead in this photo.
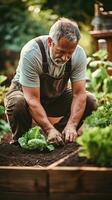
(64, 43)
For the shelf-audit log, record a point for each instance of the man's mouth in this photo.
(60, 61)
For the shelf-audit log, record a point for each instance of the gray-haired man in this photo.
(39, 88)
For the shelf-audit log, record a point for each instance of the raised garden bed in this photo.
(50, 176)
(72, 174)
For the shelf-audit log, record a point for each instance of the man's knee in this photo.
(20, 105)
(91, 102)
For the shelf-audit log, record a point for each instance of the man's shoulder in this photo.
(32, 45)
(31, 48)
(78, 53)
(79, 56)
(79, 50)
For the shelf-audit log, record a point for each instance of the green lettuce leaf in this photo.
(34, 139)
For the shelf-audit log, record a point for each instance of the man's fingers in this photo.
(73, 137)
(67, 136)
(60, 140)
(52, 141)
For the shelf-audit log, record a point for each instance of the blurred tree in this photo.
(79, 10)
(21, 21)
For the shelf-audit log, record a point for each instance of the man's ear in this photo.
(49, 41)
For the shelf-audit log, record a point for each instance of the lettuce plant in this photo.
(96, 145)
(34, 139)
(100, 118)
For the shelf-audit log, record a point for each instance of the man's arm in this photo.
(32, 96)
(77, 110)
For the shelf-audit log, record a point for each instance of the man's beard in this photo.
(56, 61)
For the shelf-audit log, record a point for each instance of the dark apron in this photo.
(51, 87)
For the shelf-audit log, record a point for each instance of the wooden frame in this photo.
(56, 182)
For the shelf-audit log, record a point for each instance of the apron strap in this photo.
(44, 58)
(68, 67)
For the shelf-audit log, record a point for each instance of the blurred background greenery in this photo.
(21, 20)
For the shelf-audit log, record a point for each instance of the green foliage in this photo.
(72, 9)
(4, 130)
(98, 72)
(96, 140)
(107, 86)
(34, 139)
(21, 21)
(96, 145)
(100, 55)
(79, 10)
(2, 79)
(3, 89)
(98, 78)
(104, 98)
(100, 118)
(4, 126)
(2, 110)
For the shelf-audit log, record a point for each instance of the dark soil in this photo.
(14, 155)
(76, 161)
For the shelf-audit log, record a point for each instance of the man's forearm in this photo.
(39, 115)
(77, 109)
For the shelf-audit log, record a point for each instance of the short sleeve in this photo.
(79, 63)
(29, 74)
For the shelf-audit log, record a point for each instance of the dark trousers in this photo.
(20, 119)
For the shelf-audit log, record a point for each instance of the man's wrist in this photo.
(47, 129)
(73, 124)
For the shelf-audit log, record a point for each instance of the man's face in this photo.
(61, 52)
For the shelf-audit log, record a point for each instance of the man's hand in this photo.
(69, 133)
(54, 137)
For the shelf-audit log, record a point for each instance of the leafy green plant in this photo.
(98, 72)
(4, 126)
(34, 139)
(96, 145)
(107, 86)
(3, 89)
(104, 98)
(2, 110)
(100, 118)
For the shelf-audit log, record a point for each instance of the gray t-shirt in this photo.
(30, 64)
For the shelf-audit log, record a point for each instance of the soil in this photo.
(14, 155)
(76, 161)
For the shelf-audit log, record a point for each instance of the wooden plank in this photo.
(80, 180)
(97, 181)
(24, 179)
(22, 195)
(62, 160)
(79, 196)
